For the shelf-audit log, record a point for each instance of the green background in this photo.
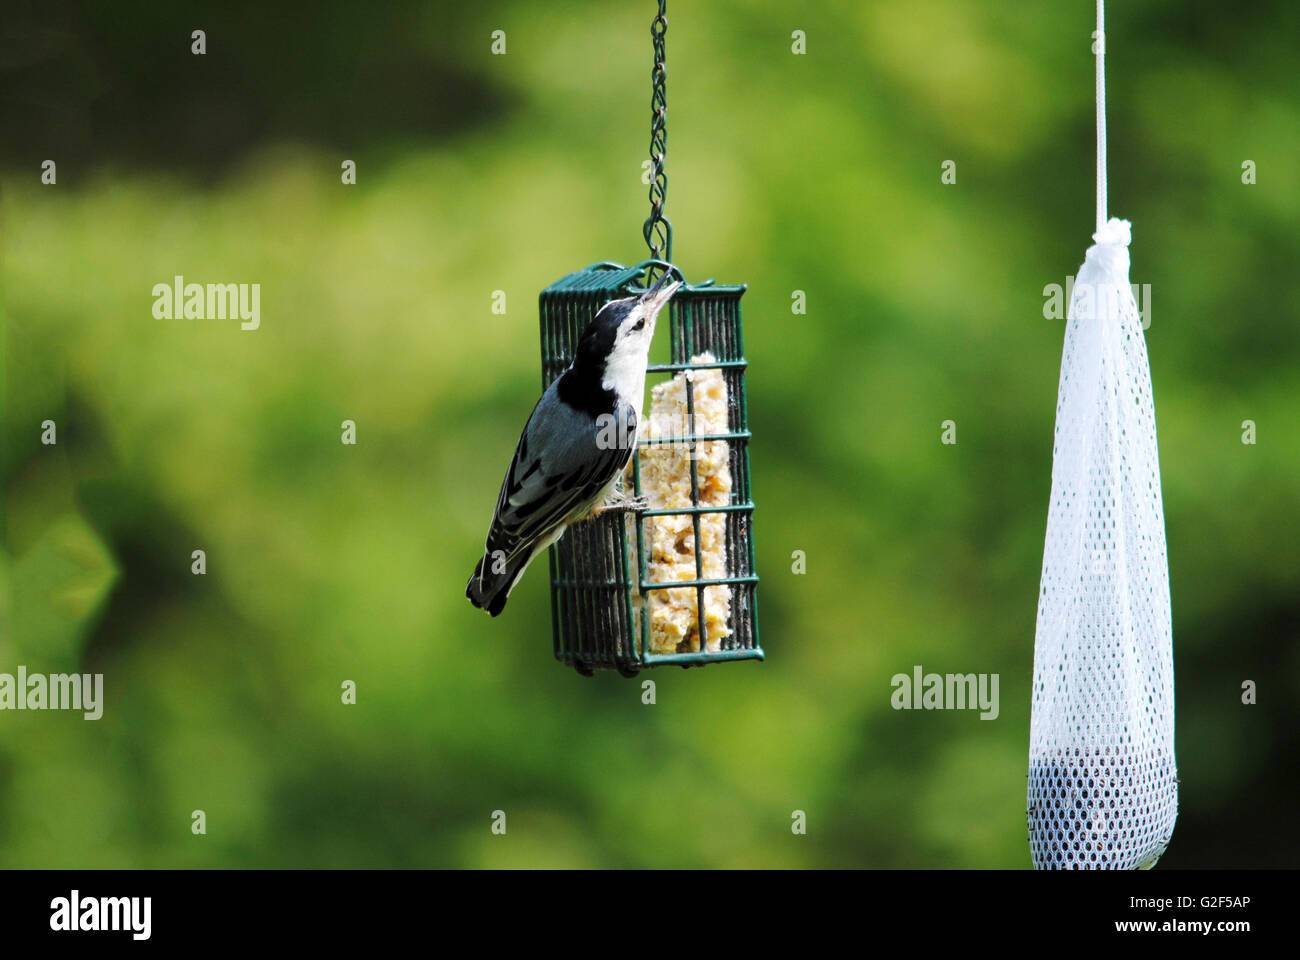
(478, 173)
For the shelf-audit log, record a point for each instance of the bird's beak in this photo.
(659, 294)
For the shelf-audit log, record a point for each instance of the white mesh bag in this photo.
(1102, 781)
(1103, 788)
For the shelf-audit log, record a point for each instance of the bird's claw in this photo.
(627, 505)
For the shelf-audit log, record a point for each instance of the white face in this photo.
(625, 366)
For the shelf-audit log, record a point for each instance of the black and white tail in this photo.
(489, 590)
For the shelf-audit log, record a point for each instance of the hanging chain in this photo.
(658, 230)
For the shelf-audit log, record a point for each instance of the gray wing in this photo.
(558, 470)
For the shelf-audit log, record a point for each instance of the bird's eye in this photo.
(639, 324)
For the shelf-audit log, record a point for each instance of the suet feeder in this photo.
(670, 580)
(672, 583)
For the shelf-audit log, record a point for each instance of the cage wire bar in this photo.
(601, 595)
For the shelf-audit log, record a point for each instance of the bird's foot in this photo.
(623, 505)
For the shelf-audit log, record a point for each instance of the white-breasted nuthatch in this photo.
(575, 445)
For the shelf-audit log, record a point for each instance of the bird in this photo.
(575, 445)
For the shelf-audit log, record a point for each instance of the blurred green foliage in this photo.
(479, 173)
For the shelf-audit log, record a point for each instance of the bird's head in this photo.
(617, 341)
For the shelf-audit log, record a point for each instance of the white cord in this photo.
(1100, 45)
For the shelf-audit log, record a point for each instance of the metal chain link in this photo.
(658, 229)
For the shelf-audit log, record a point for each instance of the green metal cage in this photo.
(603, 603)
